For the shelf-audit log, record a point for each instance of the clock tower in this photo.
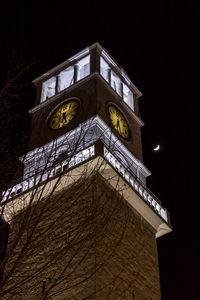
(94, 222)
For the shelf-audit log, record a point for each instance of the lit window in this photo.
(83, 68)
(48, 89)
(104, 69)
(128, 96)
(116, 83)
(120, 88)
(110, 76)
(66, 78)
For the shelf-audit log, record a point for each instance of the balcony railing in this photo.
(77, 159)
(138, 186)
(32, 181)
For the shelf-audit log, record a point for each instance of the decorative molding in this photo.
(158, 219)
(62, 93)
(64, 64)
(105, 135)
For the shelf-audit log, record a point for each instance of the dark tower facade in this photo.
(85, 182)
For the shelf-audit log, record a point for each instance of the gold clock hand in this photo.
(64, 117)
(120, 128)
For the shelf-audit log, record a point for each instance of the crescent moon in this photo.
(156, 148)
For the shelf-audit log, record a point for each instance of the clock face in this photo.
(63, 114)
(118, 121)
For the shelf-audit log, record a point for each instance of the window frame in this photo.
(107, 72)
(57, 78)
(45, 85)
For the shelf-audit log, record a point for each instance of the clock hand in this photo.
(118, 125)
(64, 116)
(120, 128)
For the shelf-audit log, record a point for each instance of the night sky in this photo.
(153, 41)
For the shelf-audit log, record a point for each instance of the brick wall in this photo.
(83, 243)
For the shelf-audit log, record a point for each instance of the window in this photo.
(105, 70)
(66, 78)
(128, 96)
(48, 89)
(83, 68)
(110, 76)
(115, 82)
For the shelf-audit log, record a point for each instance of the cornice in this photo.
(77, 84)
(61, 94)
(111, 177)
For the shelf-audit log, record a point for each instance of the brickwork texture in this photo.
(84, 242)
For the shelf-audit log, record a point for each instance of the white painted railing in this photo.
(76, 160)
(41, 177)
(139, 188)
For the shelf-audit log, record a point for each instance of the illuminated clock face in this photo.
(63, 114)
(118, 121)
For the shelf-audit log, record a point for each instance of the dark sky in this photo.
(153, 41)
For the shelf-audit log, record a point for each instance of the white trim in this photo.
(61, 65)
(108, 58)
(105, 133)
(62, 93)
(104, 128)
(111, 176)
(79, 55)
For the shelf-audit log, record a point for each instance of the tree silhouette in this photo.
(70, 229)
